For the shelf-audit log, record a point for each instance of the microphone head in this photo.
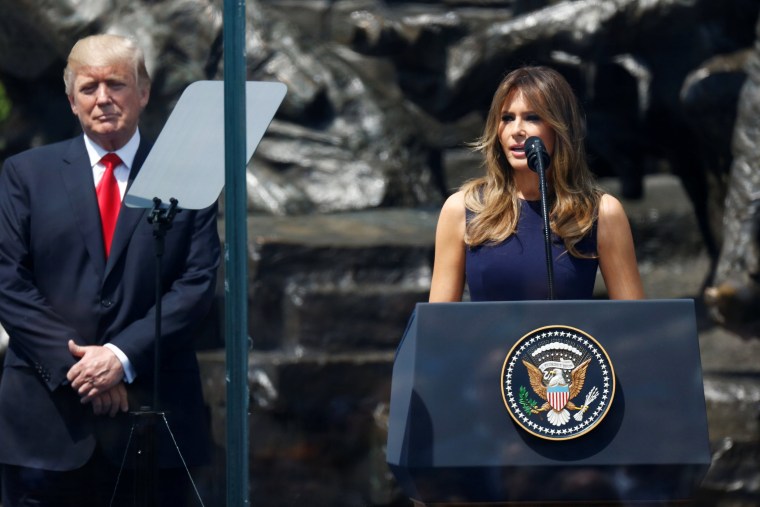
(536, 153)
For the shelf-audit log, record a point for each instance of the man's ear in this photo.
(144, 96)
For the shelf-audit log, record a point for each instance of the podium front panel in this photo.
(451, 435)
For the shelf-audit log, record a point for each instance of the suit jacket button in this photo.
(107, 303)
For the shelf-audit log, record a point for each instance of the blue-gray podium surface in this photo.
(452, 439)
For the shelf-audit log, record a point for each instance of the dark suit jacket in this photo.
(56, 285)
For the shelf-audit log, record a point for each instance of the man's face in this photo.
(108, 103)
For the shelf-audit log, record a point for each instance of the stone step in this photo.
(358, 317)
(663, 223)
(733, 407)
(318, 426)
(341, 281)
(731, 375)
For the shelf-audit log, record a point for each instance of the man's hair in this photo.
(103, 50)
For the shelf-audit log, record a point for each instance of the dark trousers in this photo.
(97, 484)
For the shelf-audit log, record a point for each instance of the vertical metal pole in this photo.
(236, 239)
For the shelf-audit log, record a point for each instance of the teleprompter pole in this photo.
(146, 419)
(236, 239)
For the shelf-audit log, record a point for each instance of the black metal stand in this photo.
(538, 161)
(145, 485)
(147, 418)
(161, 219)
(547, 229)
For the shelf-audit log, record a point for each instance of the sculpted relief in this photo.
(382, 97)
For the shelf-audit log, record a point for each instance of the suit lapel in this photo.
(76, 174)
(129, 218)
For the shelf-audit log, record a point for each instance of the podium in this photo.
(453, 436)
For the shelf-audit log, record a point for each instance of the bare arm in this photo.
(617, 258)
(447, 284)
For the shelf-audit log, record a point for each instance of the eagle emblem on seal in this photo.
(550, 385)
(557, 382)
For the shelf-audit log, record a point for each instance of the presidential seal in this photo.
(557, 382)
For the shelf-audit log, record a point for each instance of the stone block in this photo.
(331, 260)
(318, 426)
(359, 318)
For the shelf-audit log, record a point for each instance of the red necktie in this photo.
(109, 199)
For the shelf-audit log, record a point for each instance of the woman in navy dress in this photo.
(490, 232)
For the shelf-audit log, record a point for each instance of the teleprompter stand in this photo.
(190, 148)
(452, 440)
(146, 419)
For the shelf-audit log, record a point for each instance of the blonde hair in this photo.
(493, 198)
(103, 50)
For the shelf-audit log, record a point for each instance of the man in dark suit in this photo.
(80, 307)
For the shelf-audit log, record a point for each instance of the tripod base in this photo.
(146, 456)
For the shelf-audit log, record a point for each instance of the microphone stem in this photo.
(547, 229)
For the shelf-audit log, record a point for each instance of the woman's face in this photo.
(519, 121)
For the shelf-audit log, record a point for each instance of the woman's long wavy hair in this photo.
(572, 188)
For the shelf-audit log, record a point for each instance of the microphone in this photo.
(538, 161)
(538, 157)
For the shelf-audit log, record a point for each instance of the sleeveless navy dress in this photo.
(515, 269)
